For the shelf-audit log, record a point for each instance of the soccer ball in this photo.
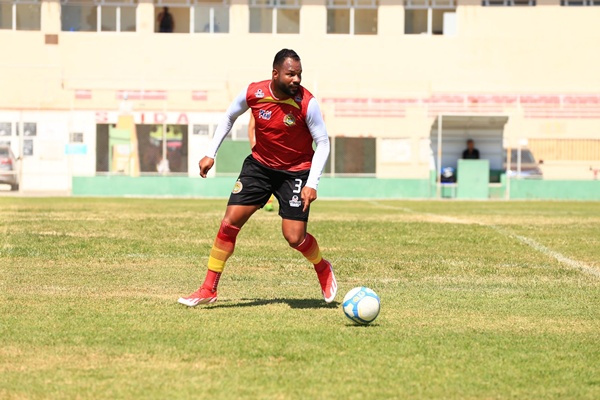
(361, 305)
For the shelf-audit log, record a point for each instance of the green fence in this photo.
(338, 188)
(554, 190)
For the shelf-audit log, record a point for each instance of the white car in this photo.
(8, 168)
(529, 168)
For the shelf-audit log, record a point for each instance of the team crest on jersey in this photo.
(264, 114)
(259, 94)
(289, 120)
(294, 202)
(237, 187)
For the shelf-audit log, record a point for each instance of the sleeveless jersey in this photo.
(283, 140)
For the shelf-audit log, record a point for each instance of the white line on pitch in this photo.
(574, 264)
(549, 252)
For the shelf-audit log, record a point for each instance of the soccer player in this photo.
(283, 162)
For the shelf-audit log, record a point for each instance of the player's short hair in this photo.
(282, 55)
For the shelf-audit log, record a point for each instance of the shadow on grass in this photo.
(293, 303)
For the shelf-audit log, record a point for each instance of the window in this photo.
(29, 129)
(21, 15)
(78, 17)
(352, 155)
(196, 16)
(353, 17)
(76, 137)
(201, 130)
(28, 147)
(580, 3)
(429, 17)
(489, 3)
(274, 16)
(98, 15)
(180, 15)
(211, 16)
(5, 128)
(159, 150)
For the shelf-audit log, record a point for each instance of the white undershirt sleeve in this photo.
(316, 125)
(236, 108)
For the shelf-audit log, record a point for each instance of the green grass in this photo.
(480, 300)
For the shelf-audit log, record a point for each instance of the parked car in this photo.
(8, 168)
(530, 169)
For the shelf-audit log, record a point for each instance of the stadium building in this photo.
(95, 98)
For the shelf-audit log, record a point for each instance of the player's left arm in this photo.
(318, 131)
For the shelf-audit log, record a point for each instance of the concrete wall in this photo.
(501, 50)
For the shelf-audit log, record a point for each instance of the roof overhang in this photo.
(475, 122)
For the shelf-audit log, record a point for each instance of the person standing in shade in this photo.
(470, 153)
(166, 23)
(288, 121)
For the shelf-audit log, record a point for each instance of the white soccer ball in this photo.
(361, 305)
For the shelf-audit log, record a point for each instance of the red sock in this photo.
(212, 280)
(222, 249)
(320, 267)
(310, 249)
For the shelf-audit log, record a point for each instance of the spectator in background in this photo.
(470, 153)
(166, 23)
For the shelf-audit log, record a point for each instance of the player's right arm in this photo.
(236, 108)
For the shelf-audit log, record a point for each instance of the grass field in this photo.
(480, 300)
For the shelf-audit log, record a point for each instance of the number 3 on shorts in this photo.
(297, 186)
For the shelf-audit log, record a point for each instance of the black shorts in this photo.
(257, 182)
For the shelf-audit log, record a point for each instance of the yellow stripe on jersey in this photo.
(289, 101)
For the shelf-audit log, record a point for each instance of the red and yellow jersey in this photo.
(283, 139)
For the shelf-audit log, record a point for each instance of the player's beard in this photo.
(288, 90)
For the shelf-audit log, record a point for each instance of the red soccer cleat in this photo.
(328, 283)
(200, 296)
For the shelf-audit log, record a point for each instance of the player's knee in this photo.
(293, 239)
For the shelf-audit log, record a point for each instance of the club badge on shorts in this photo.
(294, 202)
(237, 187)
